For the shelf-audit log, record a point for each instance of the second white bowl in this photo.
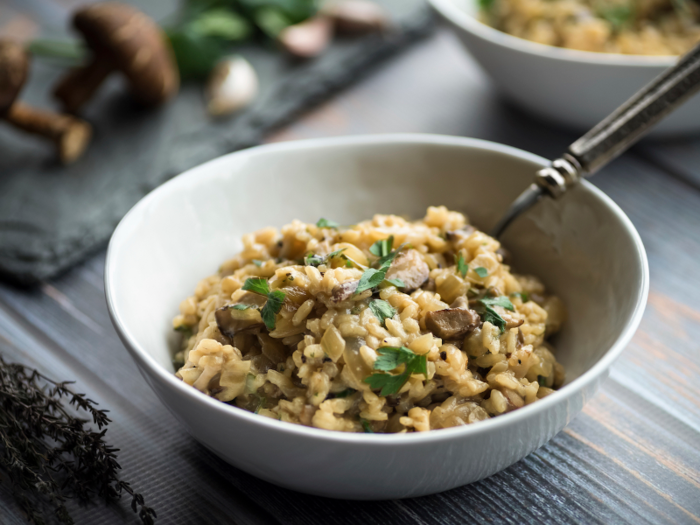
(576, 89)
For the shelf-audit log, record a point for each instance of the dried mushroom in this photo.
(124, 39)
(70, 135)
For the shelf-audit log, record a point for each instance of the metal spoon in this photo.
(612, 136)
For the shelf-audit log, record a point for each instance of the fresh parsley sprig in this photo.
(487, 312)
(373, 277)
(382, 310)
(462, 266)
(325, 223)
(317, 260)
(481, 272)
(390, 358)
(382, 248)
(275, 300)
(524, 296)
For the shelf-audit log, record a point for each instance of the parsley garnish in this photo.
(366, 427)
(397, 282)
(257, 262)
(524, 296)
(240, 306)
(382, 310)
(382, 248)
(617, 16)
(256, 285)
(481, 271)
(488, 314)
(462, 267)
(275, 299)
(374, 277)
(317, 260)
(370, 278)
(183, 328)
(390, 358)
(325, 223)
(542, 380)
(345, 393)
(486, 5)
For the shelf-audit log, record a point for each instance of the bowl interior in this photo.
(582, 246)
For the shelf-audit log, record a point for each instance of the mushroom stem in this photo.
(71, 135)
(79, 84)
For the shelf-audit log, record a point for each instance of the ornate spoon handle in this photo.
(613, 135)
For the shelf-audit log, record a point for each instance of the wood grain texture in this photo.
(632, 456)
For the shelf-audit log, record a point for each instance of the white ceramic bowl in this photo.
(576, 89)
(583, 247)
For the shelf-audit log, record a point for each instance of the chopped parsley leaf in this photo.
(486, 5)
(374, 277)
(390, 358)
(256, 285)
(275, 300)
(348, 263)
(272, 307)
(184, 329)
(385, 261)
(488, 314)
(397, 282)
(325, 223)
(542, 380)
(317, 260)
(366, 427)
(382, 310)
(618, 16)
(462, 267)
(370, 278)
(240, 306)
(257, 262)
(345, 393)
(481, 271)
(498, 301)
(524, 296)
(382, 248)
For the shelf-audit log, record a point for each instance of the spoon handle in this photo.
(625, 125)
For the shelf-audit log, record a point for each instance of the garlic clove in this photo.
(232, 85)
(307, 39)
(356, 16)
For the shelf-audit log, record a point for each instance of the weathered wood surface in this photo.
(632, 456)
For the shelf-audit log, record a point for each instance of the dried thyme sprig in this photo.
(50, 455)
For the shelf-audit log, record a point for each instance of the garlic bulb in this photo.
(232, 85)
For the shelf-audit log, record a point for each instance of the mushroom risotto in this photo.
(637, 27)
(388, 325)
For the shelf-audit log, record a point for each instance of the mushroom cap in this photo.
(14, 68)
(134, 44)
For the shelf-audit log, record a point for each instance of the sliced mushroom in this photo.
(511, 322)
(462, 233)
(344, 291)
(124, 39)
(410, 267)
(452, 323)
(273, 349)
(232, 321)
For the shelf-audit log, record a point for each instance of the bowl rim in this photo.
(449, 10)
(148, 364)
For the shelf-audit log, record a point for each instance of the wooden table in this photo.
(632, 456)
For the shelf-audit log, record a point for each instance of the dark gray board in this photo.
(51, 216)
